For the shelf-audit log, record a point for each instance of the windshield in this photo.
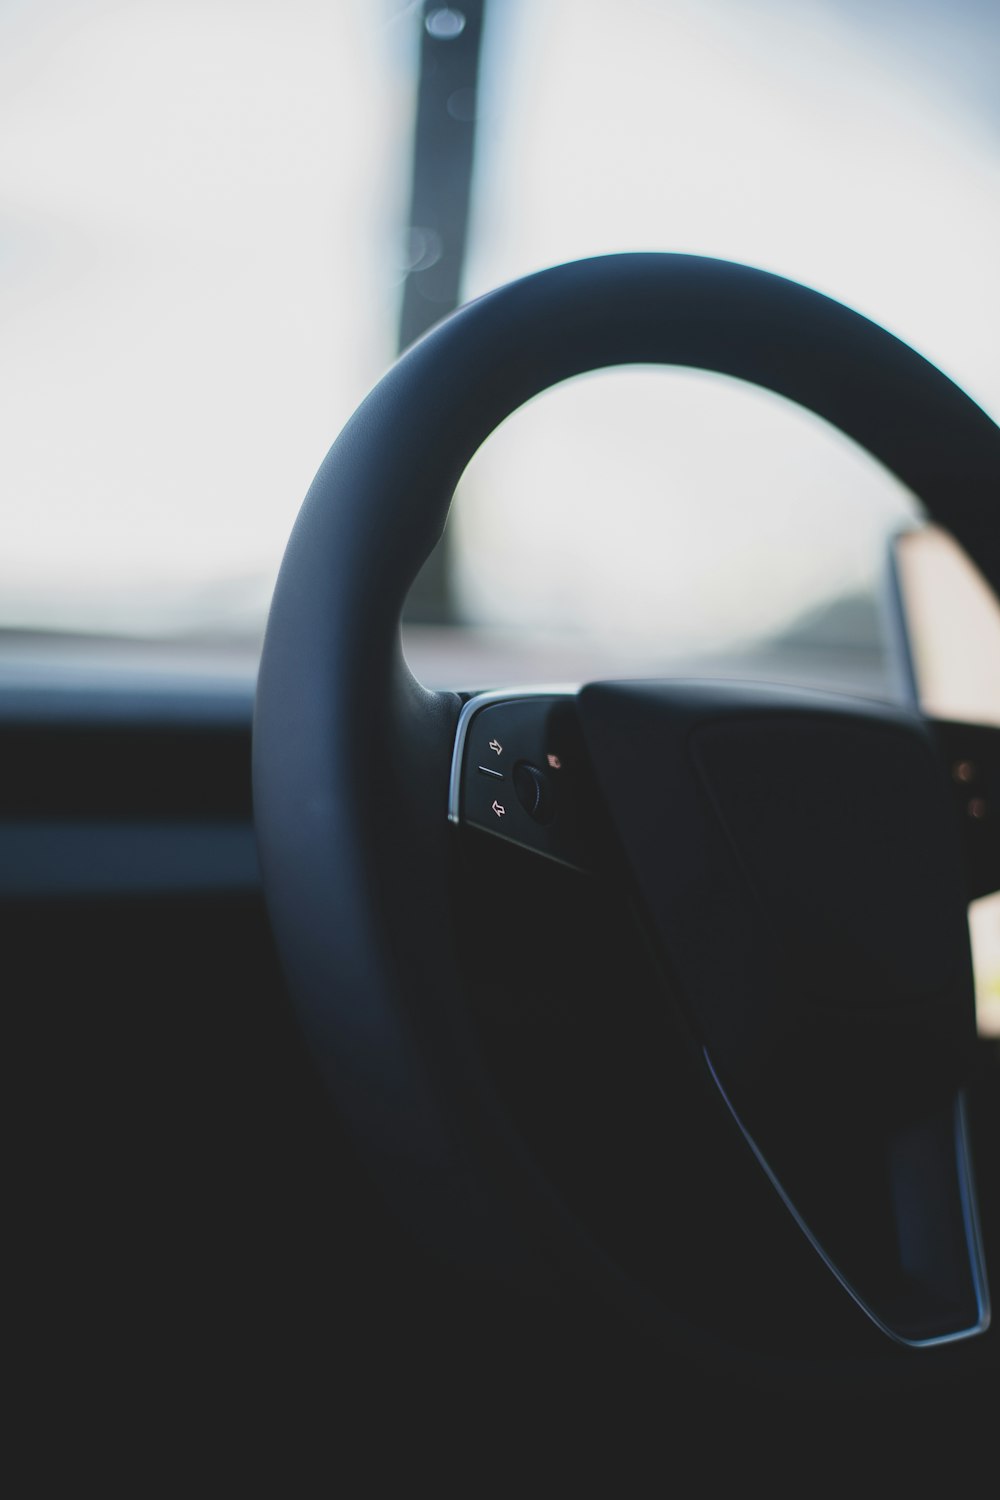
(207, 226)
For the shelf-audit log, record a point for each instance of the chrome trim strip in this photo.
(465, 718)
(970, 1213)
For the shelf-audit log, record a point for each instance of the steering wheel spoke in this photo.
(518, 772)
(796, 856)
(814, 833)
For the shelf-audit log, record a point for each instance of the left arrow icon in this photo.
(499, 809)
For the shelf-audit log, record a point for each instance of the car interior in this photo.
(500, 704)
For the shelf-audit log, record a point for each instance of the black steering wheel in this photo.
(655, 996)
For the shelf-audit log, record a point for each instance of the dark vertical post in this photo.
(437, 228)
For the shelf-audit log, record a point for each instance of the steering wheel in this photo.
(657, 994)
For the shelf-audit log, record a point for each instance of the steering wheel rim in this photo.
(352, 755)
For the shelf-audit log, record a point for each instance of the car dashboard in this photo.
(199, 1225)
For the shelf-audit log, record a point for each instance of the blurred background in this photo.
(220, 220)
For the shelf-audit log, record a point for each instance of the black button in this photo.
(533, 791)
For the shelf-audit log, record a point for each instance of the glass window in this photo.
(846, 146)
(199, 205)
(202, 225)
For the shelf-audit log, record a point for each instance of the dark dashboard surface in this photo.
(197, 1227)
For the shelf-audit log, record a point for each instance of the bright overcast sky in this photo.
(199, 206)
(782, 135)
(198, 200)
